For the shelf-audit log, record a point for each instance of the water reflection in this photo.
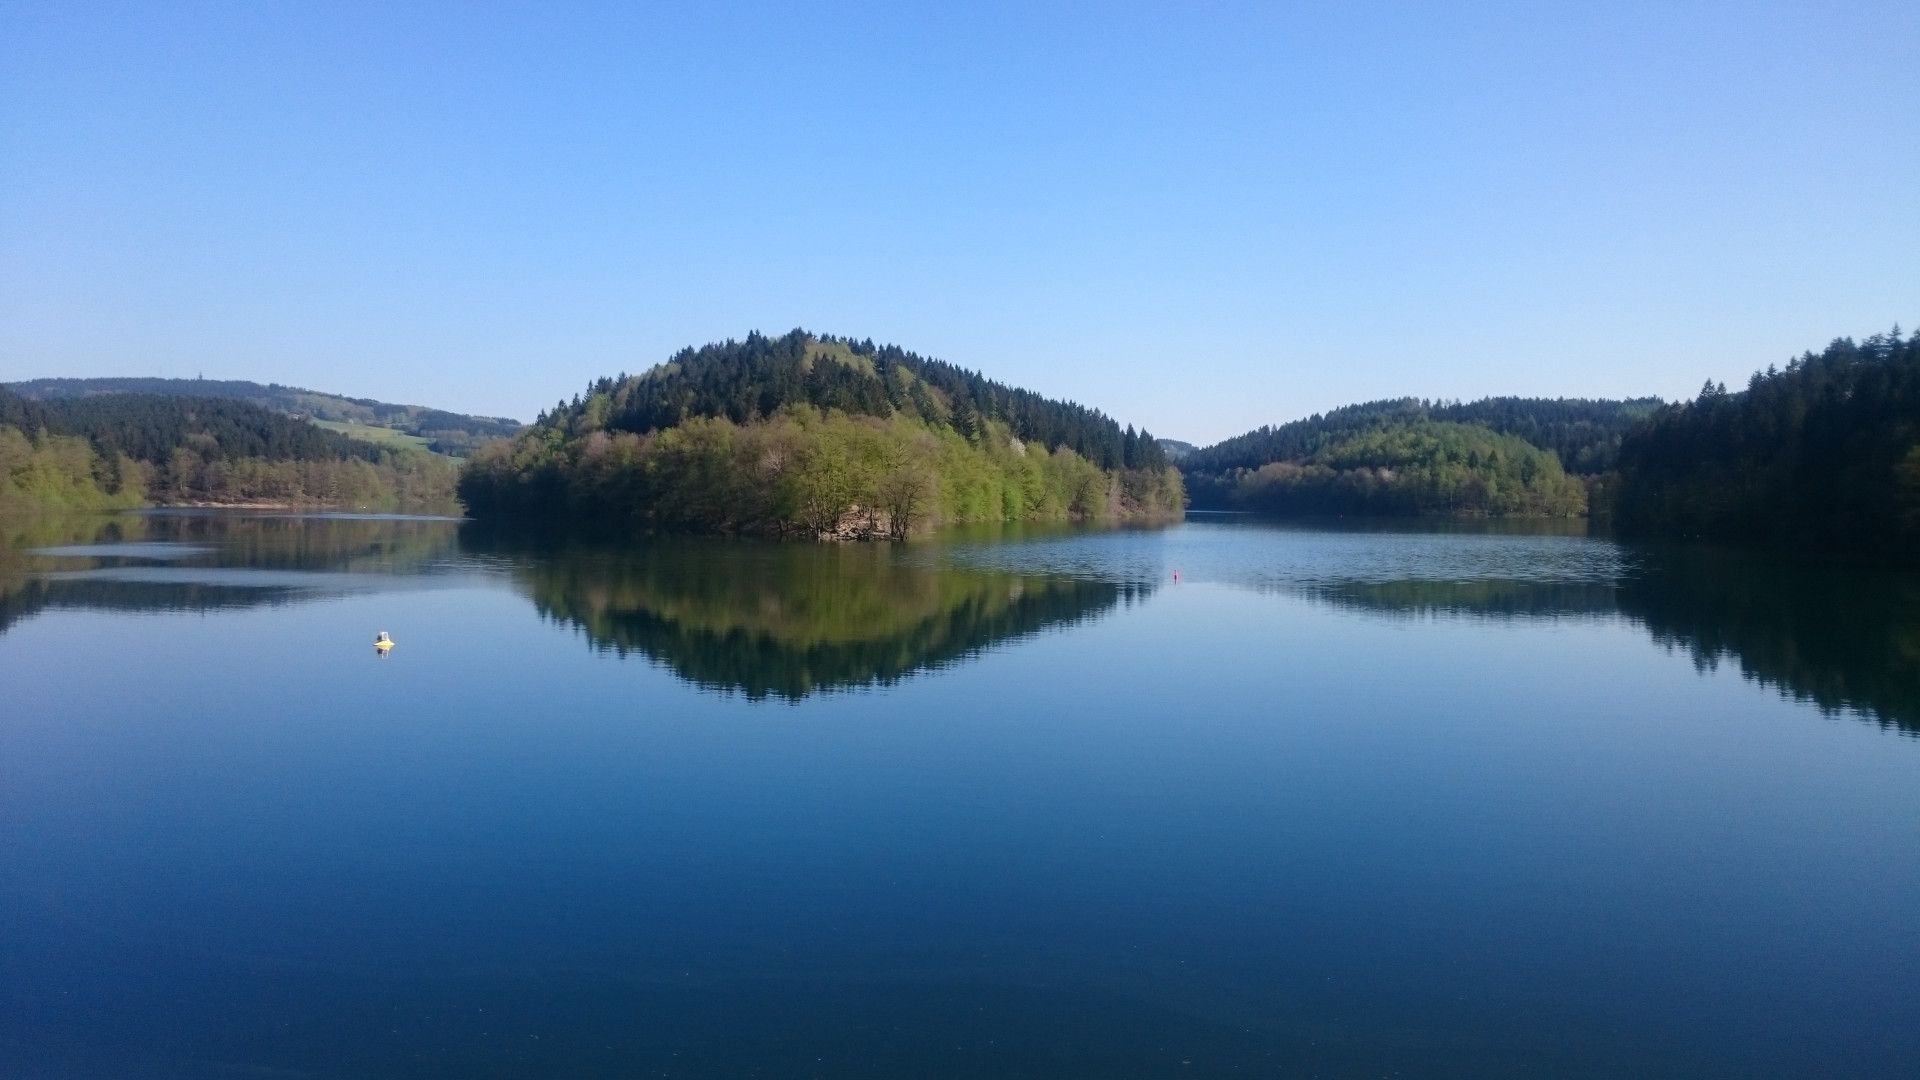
(788, 620)
(205, 562)
(1844, 639)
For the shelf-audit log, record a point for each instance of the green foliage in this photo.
(380, 436)
(122, 450)
(1584, 434)
(63, 472)
(743, 381)
(1822, 456)
(803, 473)
(1419, 468)
(805, 436)
(454, 434)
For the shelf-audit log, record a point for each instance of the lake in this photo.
(1224, 798)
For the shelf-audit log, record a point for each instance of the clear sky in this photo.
(1198, 217)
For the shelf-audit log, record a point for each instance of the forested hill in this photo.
(445, 432)
(124, 449)
(148, 428)
(806, 436)
(1584, 433)
(1823, 455)
(757, 377)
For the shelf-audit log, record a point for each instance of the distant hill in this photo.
(101, 450)
(455, 434)
(1495, 457)
(1585, 433)
(1176, 450)
(1422, 468)
(821, 436)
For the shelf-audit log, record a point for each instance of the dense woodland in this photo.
(752, 379)
(1421, 468)
(1823, 454)
(1330, 463)
(454, 434)
(818, 437)
(127, 449)
(1584, 433)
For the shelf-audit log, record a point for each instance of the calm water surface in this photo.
(1334, 803)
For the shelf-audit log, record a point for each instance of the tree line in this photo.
(126, 449)
(1584, 433)
(1421, 468)
(802, 472)
(450, 433)
(752, 379)
(1821, 455)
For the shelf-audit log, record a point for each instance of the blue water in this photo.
(1334, 803)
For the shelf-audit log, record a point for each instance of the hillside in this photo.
(1822, 456)
(744, 380)
(454, 434)
(125, 449)
(805, 435)
(1415, 469)
(1582, 437)
(1584, 433)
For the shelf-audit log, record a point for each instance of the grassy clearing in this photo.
(369, 433)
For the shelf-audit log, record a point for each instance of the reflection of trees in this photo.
(1489, 598)
(789, 620)
(1839, 637)
(247, 543)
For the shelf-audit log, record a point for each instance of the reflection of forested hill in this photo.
(33, 595)
(790, 620)
(1840, 638)
(1491, 598)
(221, 550)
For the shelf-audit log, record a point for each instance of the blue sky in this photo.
(1197, 217)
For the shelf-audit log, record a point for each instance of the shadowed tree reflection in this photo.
(788, 620)
(201, 562)
(1844, 639)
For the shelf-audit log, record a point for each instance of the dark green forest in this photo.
(454, 434)
(1421, 468)
(742, 381)
(1822, 455)
(802, 436)
(1439, 458)
(116, 450)
(1584, 433)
